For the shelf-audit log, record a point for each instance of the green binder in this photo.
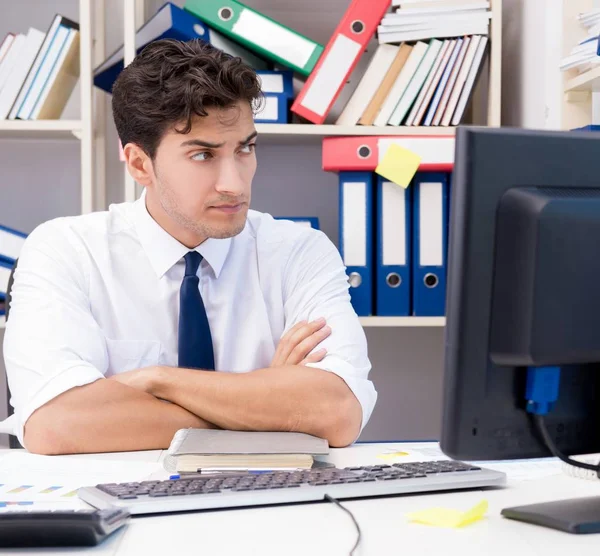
(258, 32)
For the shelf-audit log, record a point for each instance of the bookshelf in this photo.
(341, 130)
(578, 88)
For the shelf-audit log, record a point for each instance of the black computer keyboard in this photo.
(231, 490)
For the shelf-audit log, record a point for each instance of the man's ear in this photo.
(139, 164)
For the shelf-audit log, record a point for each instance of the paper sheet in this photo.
(398, 165)
(449, 517)
(27, 479)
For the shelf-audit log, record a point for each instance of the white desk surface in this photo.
(323, 529)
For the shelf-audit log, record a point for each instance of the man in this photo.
(119, 319)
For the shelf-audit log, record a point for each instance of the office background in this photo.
(40, 179)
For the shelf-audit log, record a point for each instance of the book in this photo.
(193, 450)
(60, 82)
(373, 108)
(18, 74)
(42, 66)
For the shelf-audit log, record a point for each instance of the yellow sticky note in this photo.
(392, 456)
(399, 165)
(447, 517)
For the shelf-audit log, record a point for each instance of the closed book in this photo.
(363, 94)
(373, 108)
(42, 66)
(191, 450)
(402, 81)
(259, 33)
(60, 83)
(17, 76)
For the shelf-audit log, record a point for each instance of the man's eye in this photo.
(247, 149)
(204, 155)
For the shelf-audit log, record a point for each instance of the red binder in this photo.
(365, 152)
(339, 58)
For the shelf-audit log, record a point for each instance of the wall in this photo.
(39, 180)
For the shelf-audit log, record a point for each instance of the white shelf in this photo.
(403, 321)
(586, 81)
(329, 130)
(39, 129)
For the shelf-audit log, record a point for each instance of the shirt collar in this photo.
(164, 251)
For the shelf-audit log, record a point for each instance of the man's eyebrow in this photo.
(209, 145)
(249, 138)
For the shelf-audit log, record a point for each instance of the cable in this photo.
(358, 537)
(541, 427)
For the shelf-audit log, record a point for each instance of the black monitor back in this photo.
(513, 192)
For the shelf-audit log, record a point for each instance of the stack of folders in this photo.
(38, 71)
(423, 72)
(585, 54)
(393, 240)
(11, 242)
(207, 450)
(239, 31)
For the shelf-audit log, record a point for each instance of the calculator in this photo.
(36, 528)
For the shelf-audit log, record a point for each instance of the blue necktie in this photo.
(195, 341)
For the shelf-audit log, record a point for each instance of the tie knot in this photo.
(192, 262)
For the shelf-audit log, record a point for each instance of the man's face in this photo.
(202, 180)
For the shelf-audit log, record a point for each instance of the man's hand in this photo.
(296, 344)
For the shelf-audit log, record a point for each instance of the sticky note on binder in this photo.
(398, 165)
(450, 518)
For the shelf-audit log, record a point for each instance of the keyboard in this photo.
(211, 491)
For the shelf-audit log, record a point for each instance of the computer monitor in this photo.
(523, 291)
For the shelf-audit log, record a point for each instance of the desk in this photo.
(323, 529)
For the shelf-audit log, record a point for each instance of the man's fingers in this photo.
(307, 345)
(291, 339)
(315, 357)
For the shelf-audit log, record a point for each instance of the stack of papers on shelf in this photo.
(413, 21)
(584, 55)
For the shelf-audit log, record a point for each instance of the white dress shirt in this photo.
(98, 294)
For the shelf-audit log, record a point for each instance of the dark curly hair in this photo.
(170, 82)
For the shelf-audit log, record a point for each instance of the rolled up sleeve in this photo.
(316, 286)
(52, 341)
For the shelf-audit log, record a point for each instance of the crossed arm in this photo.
(129, 410)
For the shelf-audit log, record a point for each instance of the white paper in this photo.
(28, 477)
(431, 221)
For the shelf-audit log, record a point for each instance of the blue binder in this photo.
(277, 82)
(171, 22)
(5, 270)
(394, 232)
(309, 221)
(275, 109)
(356, 237)
(430, 243)
(11, 242)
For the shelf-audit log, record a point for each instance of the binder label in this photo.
(274, 38)
(271, 82)
(354, 219)
(431, 221)
(270, 109)
(393, 206)
(334, 68)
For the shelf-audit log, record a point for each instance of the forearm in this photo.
(288, 398)
(105, 416)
